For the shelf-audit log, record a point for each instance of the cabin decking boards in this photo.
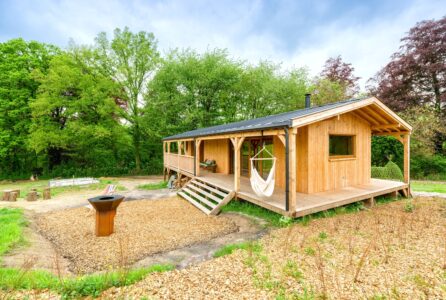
(307, 203)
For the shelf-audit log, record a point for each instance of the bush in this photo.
(389, 171)
(428, 167)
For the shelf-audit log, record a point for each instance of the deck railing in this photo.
(178, 162)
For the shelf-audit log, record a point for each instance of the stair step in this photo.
(205, 193)
(223, 194)
(195, 203)
(225, 201)
(200, 198)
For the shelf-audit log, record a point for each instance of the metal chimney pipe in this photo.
(307, 100)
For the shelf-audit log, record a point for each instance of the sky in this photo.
(292, 33)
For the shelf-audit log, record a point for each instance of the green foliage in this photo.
(429, 167)
(386, 148)
(408, 206)
(130, 60)
(228, 249)
(12, 222)
(73, 114)
(17, 86)
(389, 171)
(193, 90)
(153, 186)
(74, 287)
(277, 220)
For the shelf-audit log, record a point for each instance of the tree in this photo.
(193, 90)
(18, 59)
(327, 91)
(416, 74)
(75, 118)
(131, 60)
(338, 71)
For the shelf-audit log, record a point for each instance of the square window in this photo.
(342, 145)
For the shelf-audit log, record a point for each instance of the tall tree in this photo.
(75, 118)
(416, 74)
(18, 59)
(338, 71)
(130, 59)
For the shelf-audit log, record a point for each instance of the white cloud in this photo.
(203, 24)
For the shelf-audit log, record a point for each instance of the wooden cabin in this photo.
(323, 158)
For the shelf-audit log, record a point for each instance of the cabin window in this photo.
(342, 146)
(174, 147)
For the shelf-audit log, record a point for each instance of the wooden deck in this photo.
(306, 203)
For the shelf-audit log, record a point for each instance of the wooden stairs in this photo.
(205, 196)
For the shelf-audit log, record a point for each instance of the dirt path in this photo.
(249, 229)
(36, 253)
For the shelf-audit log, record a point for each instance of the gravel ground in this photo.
(142, 228)
(387, 252)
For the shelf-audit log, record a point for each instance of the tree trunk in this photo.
(437, 93)
(136, 147)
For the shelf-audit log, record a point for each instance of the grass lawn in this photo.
(25, 186)
(428, 186)
(153, 186)
(277, 220)
(73, 287)
(12, 222)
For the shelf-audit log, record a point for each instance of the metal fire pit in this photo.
(105, 212)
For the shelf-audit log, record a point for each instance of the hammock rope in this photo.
(262, 187)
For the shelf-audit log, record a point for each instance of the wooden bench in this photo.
(209, 165)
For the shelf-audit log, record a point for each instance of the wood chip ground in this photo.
(142, 228)
(382, 253)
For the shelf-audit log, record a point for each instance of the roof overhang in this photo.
(381, 118)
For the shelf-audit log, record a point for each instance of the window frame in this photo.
(344, 156)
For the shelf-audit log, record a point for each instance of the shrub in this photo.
(389, 171)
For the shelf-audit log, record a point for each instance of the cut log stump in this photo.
(46, 193)
(32, 196)
(13, 196)
(6, 195)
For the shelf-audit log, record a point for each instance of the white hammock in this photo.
(261, 186)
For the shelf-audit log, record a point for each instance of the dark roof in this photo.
(273, 121)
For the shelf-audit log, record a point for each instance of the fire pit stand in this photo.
(105, 212)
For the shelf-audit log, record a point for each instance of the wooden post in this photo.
(32, 196)
(197, 157)
(293, 171)
(406, 144)
(369, 203)
(237, 142)
(46, 193)
(13, 196)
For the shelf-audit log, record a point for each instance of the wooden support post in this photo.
(197, 157)
(293, 171)
(237, 142)
(32, 196)
(46, 193)
(394, 194)
(369, 203)
(406, 144)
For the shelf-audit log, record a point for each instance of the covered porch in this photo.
(307, 203)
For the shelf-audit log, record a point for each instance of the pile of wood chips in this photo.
(142, 228)
(393, 251)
